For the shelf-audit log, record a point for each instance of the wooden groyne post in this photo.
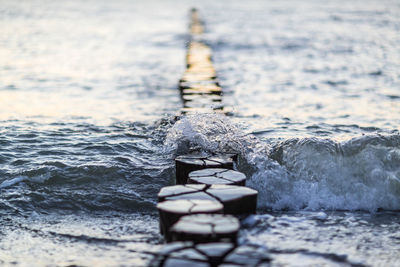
(199, 216)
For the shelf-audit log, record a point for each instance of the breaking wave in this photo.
(362, 173)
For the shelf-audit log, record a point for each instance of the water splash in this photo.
(16, 180)
(210, 133)
(360, 174)
(308, 173)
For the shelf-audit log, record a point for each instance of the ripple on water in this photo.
(82, 161)
(292, 236)
(86, 167)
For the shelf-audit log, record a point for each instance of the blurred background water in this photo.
(88, 136)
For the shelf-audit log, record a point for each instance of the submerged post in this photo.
(208, 196)
(200, 90)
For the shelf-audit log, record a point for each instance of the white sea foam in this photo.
(13, 181)
(363, 173)
(212, 133)
(312, 174)
(36, 179)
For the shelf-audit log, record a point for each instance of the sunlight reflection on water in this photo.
(88, 95)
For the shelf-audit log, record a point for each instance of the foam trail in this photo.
(16, 180)
(13, 181)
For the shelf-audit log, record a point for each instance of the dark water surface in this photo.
(88, 137)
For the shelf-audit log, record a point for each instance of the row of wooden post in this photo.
(199, 86)
(199, 215)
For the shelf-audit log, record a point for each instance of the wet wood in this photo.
(199, 84)
(210, 98)
(212, 176)
(203, 103)
(193, 212)
(187, 163)
(196, 26)
(235, 199)
(172, 262)
(205, 228)
(170, 211)
(200, 77)
(194, 111)
(178, 190)
(202, 90)
(220, 254)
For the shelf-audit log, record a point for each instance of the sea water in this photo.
(90, 125)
